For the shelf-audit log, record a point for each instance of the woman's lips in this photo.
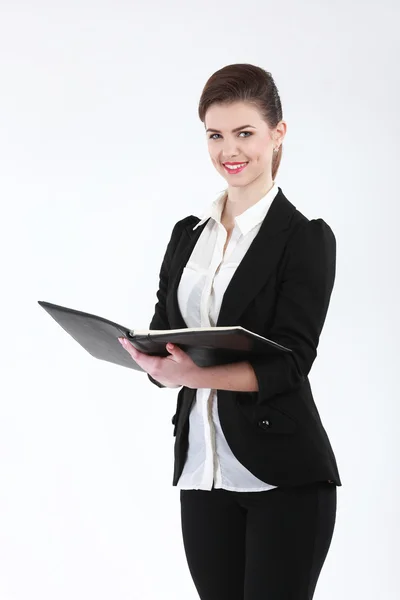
(234, 171)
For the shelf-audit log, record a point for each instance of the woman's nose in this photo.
(230, 145)
(230, 151)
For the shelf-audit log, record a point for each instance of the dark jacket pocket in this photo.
(266, 419)
(271, 421)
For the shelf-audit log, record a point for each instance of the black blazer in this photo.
(281, 290)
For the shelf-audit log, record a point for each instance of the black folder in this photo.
(207, 346)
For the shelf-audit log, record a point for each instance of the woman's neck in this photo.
(239, 199)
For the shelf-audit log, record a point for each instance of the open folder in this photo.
(207, 346)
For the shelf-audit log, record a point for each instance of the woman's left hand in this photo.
(171, 371)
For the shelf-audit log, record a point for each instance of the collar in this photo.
(246, 220)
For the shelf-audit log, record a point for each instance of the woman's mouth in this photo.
(233, 169)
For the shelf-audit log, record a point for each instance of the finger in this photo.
(144, 360)
(176, 353)
(129, 348)
(173, 350)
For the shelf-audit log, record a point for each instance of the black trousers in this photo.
(268, 545)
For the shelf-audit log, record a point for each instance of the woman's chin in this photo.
(235, 180)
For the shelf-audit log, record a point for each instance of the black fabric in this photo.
(258, 545)
(302, 302)
(281, 290)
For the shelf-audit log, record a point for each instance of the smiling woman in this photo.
(256, 471)
(252, 148)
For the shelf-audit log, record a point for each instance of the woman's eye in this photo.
(211, 137)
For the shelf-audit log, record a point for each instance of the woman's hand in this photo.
(171, 371)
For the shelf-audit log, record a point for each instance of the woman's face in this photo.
(236, 133)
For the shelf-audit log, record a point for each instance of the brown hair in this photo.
(247, 83)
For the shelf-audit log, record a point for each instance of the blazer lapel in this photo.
(258, 263)
(252, 272)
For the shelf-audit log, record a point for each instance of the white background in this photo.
(101, 152)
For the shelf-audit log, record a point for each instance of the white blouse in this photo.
(200, 292)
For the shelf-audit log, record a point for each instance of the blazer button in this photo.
(264, 424)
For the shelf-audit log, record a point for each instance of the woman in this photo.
(255, 468)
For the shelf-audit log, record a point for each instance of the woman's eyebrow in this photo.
(233, 130)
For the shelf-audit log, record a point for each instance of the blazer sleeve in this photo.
(302, 304)
(160, 319)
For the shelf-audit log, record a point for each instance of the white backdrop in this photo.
(101, 152)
